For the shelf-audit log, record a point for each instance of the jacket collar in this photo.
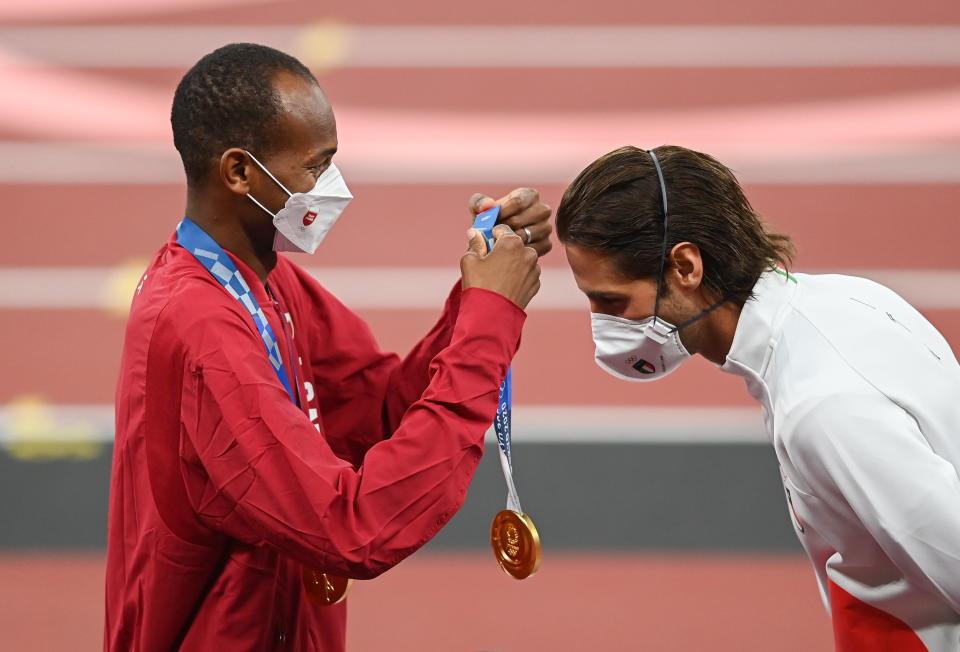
(758, 328)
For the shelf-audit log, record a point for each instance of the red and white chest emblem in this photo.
(309, 218)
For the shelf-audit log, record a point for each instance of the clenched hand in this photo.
(510, 269)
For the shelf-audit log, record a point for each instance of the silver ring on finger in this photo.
(529, 236)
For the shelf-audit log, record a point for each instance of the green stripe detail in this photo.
(785, 273)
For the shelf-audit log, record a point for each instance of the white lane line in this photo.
(31, 421)
(332, 44)
(410, 288)
(536, 163)
(637, 425)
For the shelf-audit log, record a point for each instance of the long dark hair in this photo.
(615, 207)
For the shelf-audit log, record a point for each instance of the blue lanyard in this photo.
(212, 256)
(484, 223)
(501, 424)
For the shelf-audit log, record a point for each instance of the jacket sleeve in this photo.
(362, 391)
(868, 453)
(273, 479)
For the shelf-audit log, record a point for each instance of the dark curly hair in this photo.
(227, 99)
(615, 206)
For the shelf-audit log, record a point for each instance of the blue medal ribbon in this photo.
(484, 223)
(212, 256)
(501, 424)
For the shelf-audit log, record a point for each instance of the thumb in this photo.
(477, 244)
(480, 202)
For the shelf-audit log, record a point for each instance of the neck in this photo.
(255, 249)
(719, 328)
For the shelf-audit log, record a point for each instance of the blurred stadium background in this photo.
(660, 505)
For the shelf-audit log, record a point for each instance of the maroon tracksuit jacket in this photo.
(223, 488)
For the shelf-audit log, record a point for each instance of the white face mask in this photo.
(637, 350)
(307, 217)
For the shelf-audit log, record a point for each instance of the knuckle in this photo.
(519, 200)
(475, 200)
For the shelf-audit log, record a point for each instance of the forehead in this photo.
(593, 264)
(595, 272)
(306, 121)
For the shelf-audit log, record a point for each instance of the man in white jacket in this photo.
(860, 394)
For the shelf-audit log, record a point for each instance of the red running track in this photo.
(71, 356)
(840, 227)
(462, 602)
(835, 227)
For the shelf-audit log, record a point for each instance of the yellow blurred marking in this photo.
(35, 435)
(324, 45)
(119, 288)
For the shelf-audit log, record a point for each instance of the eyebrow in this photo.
(605, 296)
(327, 153)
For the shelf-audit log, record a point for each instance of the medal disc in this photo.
(323, 589)
(516, 544)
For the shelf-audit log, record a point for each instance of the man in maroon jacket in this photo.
(265, 446)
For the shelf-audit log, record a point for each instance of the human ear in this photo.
(234, 168)
(687, 265)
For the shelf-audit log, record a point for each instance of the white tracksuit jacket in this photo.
(861, 399)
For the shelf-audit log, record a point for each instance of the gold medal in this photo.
(323, 589)
(516, 544)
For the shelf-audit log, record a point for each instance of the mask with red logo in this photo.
(307, 217)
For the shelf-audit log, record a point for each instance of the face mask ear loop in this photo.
(269, 174)
(663, 254)
(255, 201)
(698, 316)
